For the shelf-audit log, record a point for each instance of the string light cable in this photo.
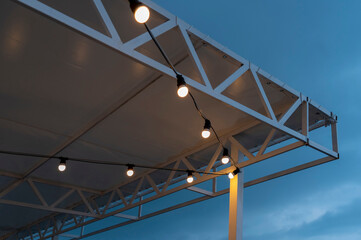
(183, 90)
(182, 86)
(130, 167)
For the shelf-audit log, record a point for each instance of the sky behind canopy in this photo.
(315, 47)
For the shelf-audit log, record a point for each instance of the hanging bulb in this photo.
(182, 86)
(225, 158)
(234, 173)
(130, 170)
(190, 177)
(62, 164)
(206, 129)
(141, 12)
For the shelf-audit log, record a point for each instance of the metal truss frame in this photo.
(71, 219)
(51, 226)
(65, 219)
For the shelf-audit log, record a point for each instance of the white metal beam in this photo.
(214, 158)
(334, 137)
(305, 119)
(107, 21)
(37, 193)
(231, 79)
(264, 99)
(290, 111)
(200, 190)
(194, 54)
(266, 142)
(241, 148)
(121, 215)
(144, 38)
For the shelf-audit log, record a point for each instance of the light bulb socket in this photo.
(63, 160)
(190, 173)
(180, 81)
(134, 4)
(130, 166)
(225, 152)
(207, 124)
(236, 171)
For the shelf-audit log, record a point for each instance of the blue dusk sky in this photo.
(315, 47)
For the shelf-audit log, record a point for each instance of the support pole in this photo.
(334, 137)
(236, 201)
(305, 120)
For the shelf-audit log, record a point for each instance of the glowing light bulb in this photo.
(234, 173)
(182, 86)
(130, 171)
(62, 164)
(142, 14)
(190, 177)
(61, 167)
(206, 133)
(182, 91)
(206, 129)
(225, 159)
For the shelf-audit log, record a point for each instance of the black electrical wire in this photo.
(95, 161)
(190, 94)
(160, 49)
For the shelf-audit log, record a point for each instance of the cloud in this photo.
(332, 236)
(304, 211)
(347, 236)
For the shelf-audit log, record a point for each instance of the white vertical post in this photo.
(214, 182)
(140, 207)
(236, 201)
(334, 137)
